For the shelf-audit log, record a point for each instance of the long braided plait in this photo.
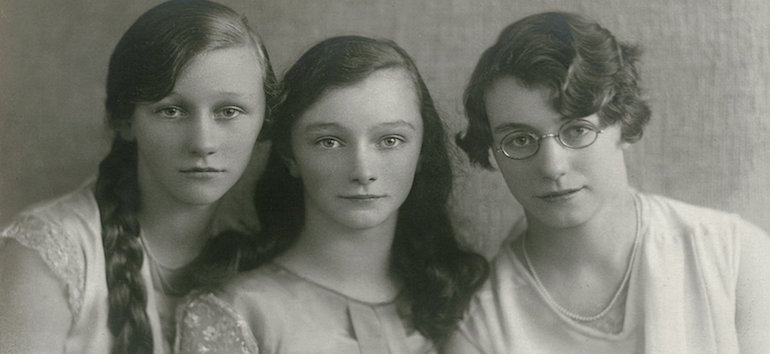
(117, 195)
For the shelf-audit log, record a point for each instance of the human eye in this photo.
(170, 112)
(328, 143)
(229, 112)
(520, 139)
(577, 129)
(392, 141)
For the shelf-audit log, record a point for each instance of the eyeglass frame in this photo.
(556, 136)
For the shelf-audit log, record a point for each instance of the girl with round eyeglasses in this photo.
(523, 144)
(596, 266)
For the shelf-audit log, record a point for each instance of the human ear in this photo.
(492, 157)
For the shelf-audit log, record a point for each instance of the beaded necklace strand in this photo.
(603, 312)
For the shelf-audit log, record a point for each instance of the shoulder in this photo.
(671, 220)
(59, 231)
(273, 301)
(75, 214)
(206, 323)
(685, 216)
(245, 311)
(504, 282)
(489, 308)
(268, 283)
(265, 295)
(716, 237)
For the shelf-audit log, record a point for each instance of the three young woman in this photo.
(356, 254)
(598, 267)
(102, 269)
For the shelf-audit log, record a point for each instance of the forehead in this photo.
(233, 69)
(385, 96)
(508, 102)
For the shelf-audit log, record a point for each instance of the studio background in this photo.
(705, 70)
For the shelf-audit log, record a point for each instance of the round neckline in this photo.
(282, 268)
(630, 311)
(162, 276)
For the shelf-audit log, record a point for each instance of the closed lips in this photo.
(362, 196)
(201, 169)
(561, 193)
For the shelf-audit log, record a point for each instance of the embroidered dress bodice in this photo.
(273, 310)
(66, 233)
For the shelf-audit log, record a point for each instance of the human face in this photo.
(356, 150)
(195, 143)
(558, 187)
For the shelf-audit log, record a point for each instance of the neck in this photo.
(354, 262)
(602, 240)
(176, 233)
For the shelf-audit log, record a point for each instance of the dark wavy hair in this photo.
(439, 276)
(583, 66)
(144, 68)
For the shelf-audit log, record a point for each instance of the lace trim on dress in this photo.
(207, 324)
(58, 250)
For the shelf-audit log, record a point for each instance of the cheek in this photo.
(158, 148)
(606, 162)
(401, 169)
(241, 137)
(517, 179)
(514, 173)
(316, 173)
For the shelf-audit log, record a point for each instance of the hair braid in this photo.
(117, 195)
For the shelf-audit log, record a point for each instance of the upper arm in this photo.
(33, 302)
(753, 287)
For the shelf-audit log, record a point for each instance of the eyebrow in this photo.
(328, 126)
(506, 127)
(236, 94)
(219, 93)
(397, 124)
(502, 128)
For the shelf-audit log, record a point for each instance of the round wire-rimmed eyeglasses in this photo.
(574, 134)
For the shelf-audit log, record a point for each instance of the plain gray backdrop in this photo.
(705, 70)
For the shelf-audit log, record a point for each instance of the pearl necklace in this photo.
(568, 313)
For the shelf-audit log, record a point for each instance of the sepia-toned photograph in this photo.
(396, 176)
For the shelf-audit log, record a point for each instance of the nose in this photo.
(363, 166)
(552, 159)
(203, 135)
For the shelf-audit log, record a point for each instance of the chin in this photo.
(200, 197)
(561, 220)
(363, 221)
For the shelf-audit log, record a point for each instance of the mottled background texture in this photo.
(706, 71)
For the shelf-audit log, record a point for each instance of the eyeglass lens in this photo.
(575, 134)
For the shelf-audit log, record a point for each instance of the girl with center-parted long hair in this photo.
(102, 269)
(356, 252)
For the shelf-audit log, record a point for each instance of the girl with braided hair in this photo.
(101, 269)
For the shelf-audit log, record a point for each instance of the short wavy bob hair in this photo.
(582, 65)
